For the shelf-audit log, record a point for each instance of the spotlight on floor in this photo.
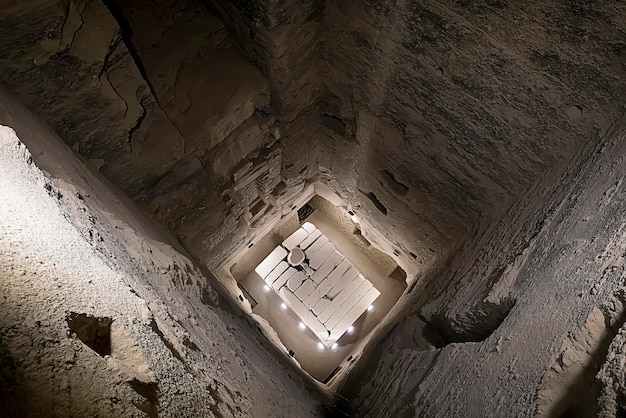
(320, 346)
(301, 326)
(334, 346)
(370, 308)
(350, 329)
(283, 306)
(266, 288)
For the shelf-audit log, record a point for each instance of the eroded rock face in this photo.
(156, 97)
(283, 40)
(544, 356)
(467, 105)
(68, 62)
(100, 318)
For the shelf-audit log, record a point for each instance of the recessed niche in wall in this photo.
(304, 212)
(372, 197)
(94, 331)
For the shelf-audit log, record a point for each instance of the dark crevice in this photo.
(150, 391)
(167, 343)
(475, 325)
(394, 185)
(94, 331)
(372, 197)
(334, 123)
(126, 34)
(190, 344)
(585, 389)
(304, 212)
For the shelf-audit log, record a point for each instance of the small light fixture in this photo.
(334, 346)
(283, 306)
(301, 326)
(350, 329)
(266, 288)
(353, 217)
(320, 346)
(370, 308)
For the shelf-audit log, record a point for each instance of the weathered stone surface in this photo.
(164, 107)
(472, 103)
(89, 89)
(573, 266)
(282, 38)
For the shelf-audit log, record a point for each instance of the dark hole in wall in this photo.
(279, 189)
(372, 197)
(253, 301)
(364, 240)
(431, 335)
(304, 212)
(94, 331)
(337, 411)
(394, 185)
(150, 391)
(476, 325)
(334, 123)
(257, 207)
(398, 274)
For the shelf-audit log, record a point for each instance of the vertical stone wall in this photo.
(556, 258)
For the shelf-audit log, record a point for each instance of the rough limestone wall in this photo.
(282, 40)
(552, 337)
(157, 99)
(67, 62)
(478, 100)
(611, 375)
(363, 171)
(475, 293)
(74, 245)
